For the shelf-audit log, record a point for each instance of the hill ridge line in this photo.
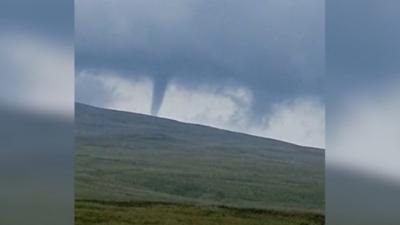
(198, 125)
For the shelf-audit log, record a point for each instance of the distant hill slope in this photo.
(123, 156)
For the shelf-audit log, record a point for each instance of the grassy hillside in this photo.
(114, 213)
(132, 157)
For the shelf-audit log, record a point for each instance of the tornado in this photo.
(159, 88)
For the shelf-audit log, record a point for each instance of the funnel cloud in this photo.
(274, 49)
(159, 88)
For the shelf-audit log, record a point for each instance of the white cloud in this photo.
(205, 106)
(300, 121)
(365, 136)
(113, 92)
(37, 74)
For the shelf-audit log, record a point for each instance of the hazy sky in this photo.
(363, 55)
(37, 56)
(249, 66)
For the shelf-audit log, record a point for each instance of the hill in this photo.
(139, 213)
(129, 157)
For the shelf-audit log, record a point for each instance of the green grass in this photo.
(125, 157)
(249, 180)
(145, 213)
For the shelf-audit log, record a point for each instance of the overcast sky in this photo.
(37, 56)
(363, 55)
(250, 66)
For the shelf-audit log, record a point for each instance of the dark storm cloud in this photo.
(362, 41)
(274, 48)
(363, 46)
(51, 18)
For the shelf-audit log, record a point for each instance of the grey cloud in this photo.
(362, 41)
(274, 48)
(51, 18)
(363, 47)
